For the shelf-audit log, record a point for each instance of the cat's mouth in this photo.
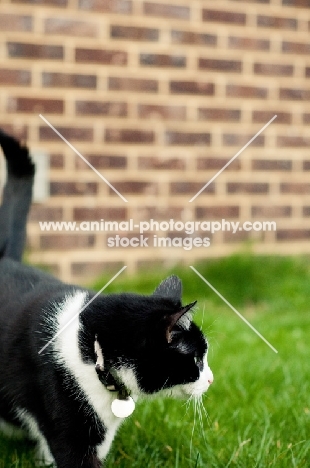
(203, 383)
(195, 389)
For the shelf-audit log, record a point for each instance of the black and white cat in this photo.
(72, 397)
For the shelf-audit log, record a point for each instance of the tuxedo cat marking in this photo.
(119, 346)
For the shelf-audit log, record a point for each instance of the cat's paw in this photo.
(44, 458)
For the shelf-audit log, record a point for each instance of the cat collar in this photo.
(123, 405)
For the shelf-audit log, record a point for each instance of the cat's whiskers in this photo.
(203, 316)
(194, 424)
(205, 411)
(199, 413)
(164, 384)
(200, 406)
(188, 403)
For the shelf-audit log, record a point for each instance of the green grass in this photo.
(257, 412)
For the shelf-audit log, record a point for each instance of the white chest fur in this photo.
(68, 353)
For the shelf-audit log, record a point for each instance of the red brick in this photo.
(296, 47)
(55, 3)
(296, 3)
(223, 16)
(192, 87)
(237, 139)
(45, 213)
(61, 189)
(252, 92)
(265, 116)
(190, 188)
(66, 241)
(150, 163)
(135, 187)
(107, 108)
(10, 22)
(272, 69)
(248, 43)
(292, 234)
(134, 33)
(87, 269)
(252, 1)
(102, 161)
(217, 114)
(293, 141)
(56, 161)
(306, 165)
(297, 188)
(114, 6)
(271, 165)
(177, 234)
(295, 94)
(35, 105)
(133, 85)
(129, 136)
(215, 164)
(69, 27)
(232, 66)
(276, 22)
(306, 118)
(163, 60)
(160, 212)
(68, 80)
(35, 51)
(166, 10)
(15, 77)
(187, 138)
(148, 111)
(218, 212)
(106, 57)
(98, 213)
(70, 133)
(189, 37)
(242, 236)
(244, 187)
(263, 211)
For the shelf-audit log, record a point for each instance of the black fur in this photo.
(144, 333)
(16, 197)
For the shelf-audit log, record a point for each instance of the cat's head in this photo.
(153, 345)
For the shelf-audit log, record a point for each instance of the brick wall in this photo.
(158, 96)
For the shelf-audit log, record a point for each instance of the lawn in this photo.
(257, 412)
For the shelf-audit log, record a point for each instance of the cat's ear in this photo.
(181, 317)
(171, 288)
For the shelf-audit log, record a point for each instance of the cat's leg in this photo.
(29, 422)
(43, 455)
(77, 460)
(72, 455)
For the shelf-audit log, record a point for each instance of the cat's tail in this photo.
(16, 199)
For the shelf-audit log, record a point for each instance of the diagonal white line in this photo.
(82, 157)
(233, 158)
(83, 308)
(234, 310)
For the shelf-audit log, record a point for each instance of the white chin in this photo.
(203, 383)
(197, 388)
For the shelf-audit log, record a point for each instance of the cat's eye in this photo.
(199, 362)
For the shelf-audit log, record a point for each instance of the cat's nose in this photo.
(210, 377)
